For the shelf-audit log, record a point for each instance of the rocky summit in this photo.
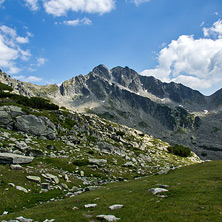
(169, 111)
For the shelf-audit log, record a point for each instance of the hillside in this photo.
(47, 153)
(193, 195)
(168, 111)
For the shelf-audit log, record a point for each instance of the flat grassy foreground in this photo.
(195, 194)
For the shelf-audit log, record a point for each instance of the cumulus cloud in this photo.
(215, 30)
(1, 1)
(196, 63)
(138, 2)
(76, 22)
(32, 4)
(10, 49)
(61, 7)
(28, 79)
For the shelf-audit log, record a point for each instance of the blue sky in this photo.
(49, 41)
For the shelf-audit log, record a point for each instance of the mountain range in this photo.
(172, 112)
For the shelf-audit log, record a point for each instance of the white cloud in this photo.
(32, 4)
(76, 22)
(196, 63)
(10, 49)
(215, 30)
(138, 2)
(28, 79)
(61, 7)
(22, 40)
(41, 61)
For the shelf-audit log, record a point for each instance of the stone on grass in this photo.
(21, 189)
(98, 162)
(75, 208)
(52, 177)
(22, 219)
(90, 205)
(128, 164)
(47, 220)
(157, 190)
(34, 179)
(11, 158)
(16, 167)
(116, 206)
(107, 217)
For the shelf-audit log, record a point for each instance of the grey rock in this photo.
(99, 162)
(34, 179)
(128, 164)
(107, 217)
(11, 158)
(21, 145)
(22, 219)
(52, 177)
(39, 126)
(157, 190)
(16, 167)
(116, 206)
(21, 189)
(90, 205)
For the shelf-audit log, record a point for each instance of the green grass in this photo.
(194, 195)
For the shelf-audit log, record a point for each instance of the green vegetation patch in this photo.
(193, 195)
(179, 150)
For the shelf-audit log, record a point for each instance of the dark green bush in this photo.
(120, 133)
(81, 162)
(179, 150)
(33, 102)
(5, 87)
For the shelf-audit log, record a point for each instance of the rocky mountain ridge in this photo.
(169, 111)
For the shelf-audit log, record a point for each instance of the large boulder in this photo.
(39, 126)
(11, 158)
(7, 113)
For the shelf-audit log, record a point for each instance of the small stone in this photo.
(11, 184)
(107, 217)
(75, 208)
(5, 213)
(47, 220)
(52, 177)
(128, 164)
(157, 190)
(22, 219)
(16, 167)
(90, 205)
(82, 173)
(21, 189)
(116, 206)
(34, 179)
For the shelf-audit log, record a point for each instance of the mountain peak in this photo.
(102, 71)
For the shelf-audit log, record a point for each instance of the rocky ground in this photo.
(49, 155)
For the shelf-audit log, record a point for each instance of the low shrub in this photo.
(179, 150)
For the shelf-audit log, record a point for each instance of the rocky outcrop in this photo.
(12, 117)
(38, 126)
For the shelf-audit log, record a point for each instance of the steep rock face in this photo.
(215, 99)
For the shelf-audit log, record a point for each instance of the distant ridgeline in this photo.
(7, 97)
